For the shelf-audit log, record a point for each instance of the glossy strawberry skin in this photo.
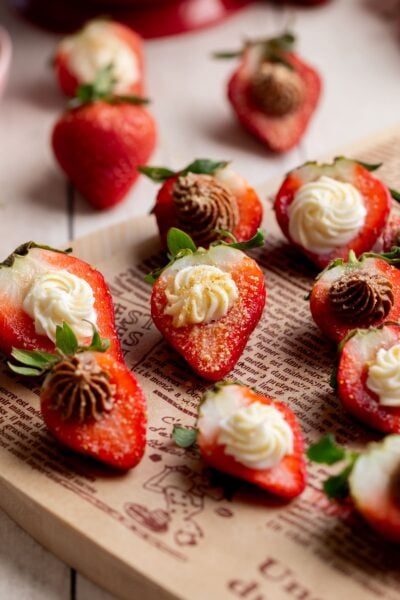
(376, 197)
(69, 82)
(320, 305)
(287, 479)
(353, 373)
(212, 349)
(100, 146)
(16, 326)
(118, 439)
(278, 133)
(249, 205)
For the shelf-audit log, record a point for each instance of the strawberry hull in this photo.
(353, 392)
(17, 327)
(118, 439)
(212, 349)
(278, 133)
(376, 196)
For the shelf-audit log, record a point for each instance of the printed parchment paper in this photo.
(171, 528)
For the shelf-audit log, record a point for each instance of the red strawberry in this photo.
(325, 215)
(91, 402)
(204, 197)
(207, 303)
(99, 44)
(18, 274)
(100, 143)
(370, 479)
(375, 486)
(390, 236)
(358, 293)
(233, 439)
(273, 92)
(367, 363)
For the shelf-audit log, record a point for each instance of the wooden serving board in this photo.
(171, 529)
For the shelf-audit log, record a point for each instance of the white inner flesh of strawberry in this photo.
(97, 46)
(384, 376)
(200, 287)
(231, 180)
(371, 481)
(326, 214)
(255, 434)
(55, 297)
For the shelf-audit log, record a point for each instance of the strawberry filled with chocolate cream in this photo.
(204, 198)
(206, 303)
(326, 210)
(357, 293)
(273, 92)
(370, 480)
(91, 402)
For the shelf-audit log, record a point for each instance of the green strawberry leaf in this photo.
(66, 341)
(177, 241)
(326, 451)
(127, 99)
(35, 358)
(256, 241)
(333, 382)
(224, 54)
(97, 344)
(156, 174)
(184, 437)
(392, 257)
(337, 486)
(204, 166)
(395, 194)
(26, 371)
(369, 166)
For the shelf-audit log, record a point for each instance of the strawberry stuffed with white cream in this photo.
(101, 43)
(326, 210)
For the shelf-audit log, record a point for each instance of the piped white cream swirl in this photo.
(199, 294)
(96, 47)
(384, 376)
(326, 214)
(58, 296)
(257, 436)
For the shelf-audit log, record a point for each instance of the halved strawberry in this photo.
(328, 220)
(390, 235)
(239, 436)
(20, 271)
(207, 303)
(371, 479)
(90, 401)
(361, 357)
(100, 43)
(355, 294)
(375, 486)
(273, 92)
(204, 197)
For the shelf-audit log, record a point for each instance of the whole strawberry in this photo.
(91, 402)
(102, 139)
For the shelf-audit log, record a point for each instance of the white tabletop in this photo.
(358, 54)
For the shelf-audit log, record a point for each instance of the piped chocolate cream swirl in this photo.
(80, 389)
(277, 89)
(202, 204)
(361, 297)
